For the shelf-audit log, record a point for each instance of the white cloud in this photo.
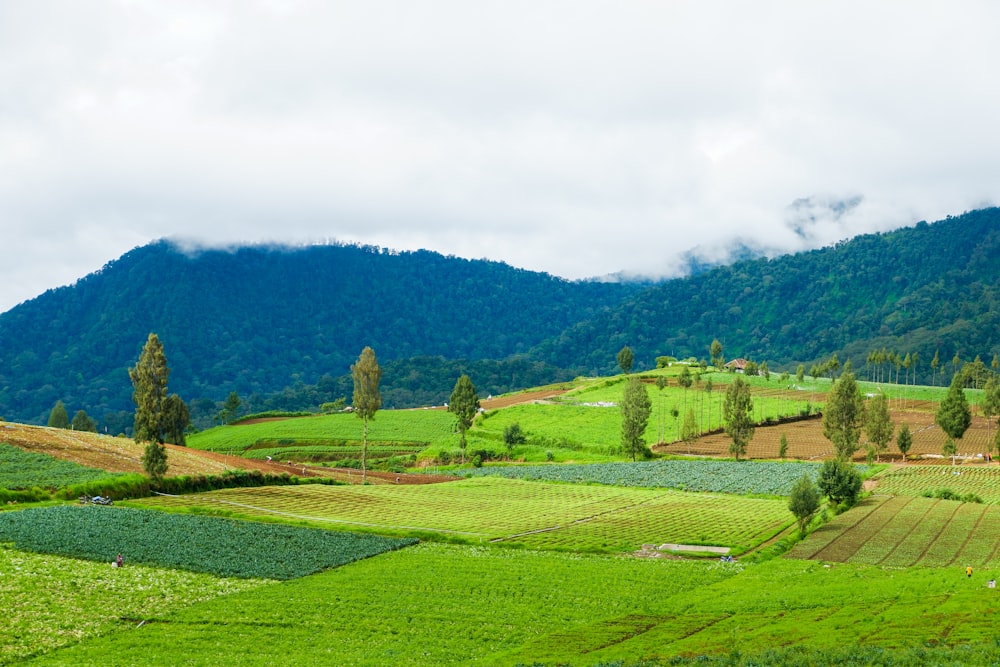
(580, 138)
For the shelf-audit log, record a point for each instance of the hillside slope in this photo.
(259, 319)
(932, 287)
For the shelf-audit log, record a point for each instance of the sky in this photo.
(579, 138)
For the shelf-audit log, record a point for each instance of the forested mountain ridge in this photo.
(925, 289)
(281, 326)
(259, 319)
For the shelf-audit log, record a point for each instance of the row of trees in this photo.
(367, 400)
(59, 418)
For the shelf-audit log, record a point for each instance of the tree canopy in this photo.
(843, 416)
(464, 404)
(636, 407)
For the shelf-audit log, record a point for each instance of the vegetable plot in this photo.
(199, 544)
(747, 477)
(546, 516)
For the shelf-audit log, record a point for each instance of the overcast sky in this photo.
(579, 138)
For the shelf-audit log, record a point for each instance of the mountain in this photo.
(925, 289)
(259, 319)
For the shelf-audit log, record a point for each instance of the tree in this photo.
(953, 414)
(513, 435)
(737, 412)
(782, 446)
(878, 423)
(904, 440)
(149, 384)
(154, 459)
(839, 481)
(990, 404)
(800, 372)
(59, 417)
(661, 431)
(715, 352)
(804, 502)
(464, 403)
(625, 359)
(636, 407)
(82, 422)
(366, 399)
(689, 430)
(843, 415)
(176, 418)
(231, 407)
(685, 380)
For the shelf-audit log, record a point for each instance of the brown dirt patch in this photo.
(806, 441)
(122, 455)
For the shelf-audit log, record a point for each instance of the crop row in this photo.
(915, 480)
(200, 544)
(746, 477)
(564, 516)
(905, 531)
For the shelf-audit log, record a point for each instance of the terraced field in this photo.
(586, 518)
(906, 531)
(910, 480)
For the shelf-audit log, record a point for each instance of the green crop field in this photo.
(906, 531)
(744, 477)
(458, 605)
(911, 480)
(572, 516)
(432, 427)
(51, 601)
(22, 470)
(199, 544)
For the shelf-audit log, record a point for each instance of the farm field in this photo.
(743, 478)
(52, 601)
(564, 516)
(806, 441)
(200, 544)
(507, 607)
(20, 469)
(905, 531)
(915, 480)
(426, 427)
(113, 454)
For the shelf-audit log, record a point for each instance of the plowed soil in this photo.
(125, 456)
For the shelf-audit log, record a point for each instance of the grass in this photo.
(573, 517)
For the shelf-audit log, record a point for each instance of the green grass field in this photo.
(536, 514)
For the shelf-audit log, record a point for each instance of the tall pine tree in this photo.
(149, 382)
